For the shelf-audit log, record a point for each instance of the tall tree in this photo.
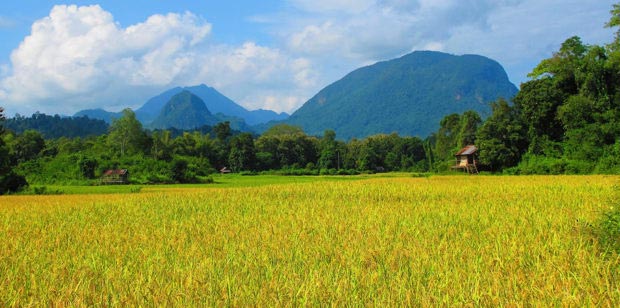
(222, 131)
(9, 180)
(328, 156)
(501, 139)
(538, 102)
(242, 152)
(446, 136)
(126, 134)
(469, 122)
(614, 22)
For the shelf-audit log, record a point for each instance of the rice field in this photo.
(443, 240)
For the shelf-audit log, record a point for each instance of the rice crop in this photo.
(443, 240)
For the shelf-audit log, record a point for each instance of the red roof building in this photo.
(115, 176)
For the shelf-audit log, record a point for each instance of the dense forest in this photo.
(564, 120)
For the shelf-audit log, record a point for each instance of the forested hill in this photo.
(52, 127)
(185, 111)
(409, 95)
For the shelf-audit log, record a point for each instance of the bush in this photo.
(609, 230)
(12, 182)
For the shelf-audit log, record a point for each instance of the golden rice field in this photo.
(444, 240)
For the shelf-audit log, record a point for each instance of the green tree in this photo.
(538, 102)
(222, 131)
(614, 22)
(328, 147)
(126, 134)
(87, 166)
(179, 171)
(501, 139)
(469, 123)
(162, 145)
(242, 152)
(446, 136)
(27, 146)
(9, 180)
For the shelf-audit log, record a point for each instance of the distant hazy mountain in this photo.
(408, 95)
(153, 107)
(184, 111)
(99, 114)
(215, 102)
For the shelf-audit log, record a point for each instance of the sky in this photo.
(62, 57)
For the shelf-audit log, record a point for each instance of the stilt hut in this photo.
(115, 176)
(466, 159)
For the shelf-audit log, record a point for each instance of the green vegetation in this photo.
(566, 120)
(53, 127)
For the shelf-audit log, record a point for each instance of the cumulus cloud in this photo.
(79, 57)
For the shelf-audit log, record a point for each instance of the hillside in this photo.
(408, 95)
(184, 111)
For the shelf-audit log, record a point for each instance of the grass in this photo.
(221, 181)
(443, 240)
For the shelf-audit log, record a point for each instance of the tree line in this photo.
(169, 156)
(565, 119)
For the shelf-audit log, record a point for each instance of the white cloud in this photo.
(517, 33)
(79, 57)
(249, 73)
(279, 102)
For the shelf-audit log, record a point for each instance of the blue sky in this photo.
(59, 57)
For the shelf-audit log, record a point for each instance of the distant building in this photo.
(115, 176)
(467, 159)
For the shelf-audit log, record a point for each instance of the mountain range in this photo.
(409, 95)
(215, 102)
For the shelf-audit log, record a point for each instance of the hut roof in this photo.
(468, 150)
(115, 172)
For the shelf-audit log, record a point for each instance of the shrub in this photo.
(609, 230)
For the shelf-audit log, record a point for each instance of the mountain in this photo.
(261, 116)
(99, 114)
(184, 111)
(408, 95)
(215, 101)
(152, 108)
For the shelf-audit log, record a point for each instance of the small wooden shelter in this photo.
(115, 176)
(466, 159)
(225, 170)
